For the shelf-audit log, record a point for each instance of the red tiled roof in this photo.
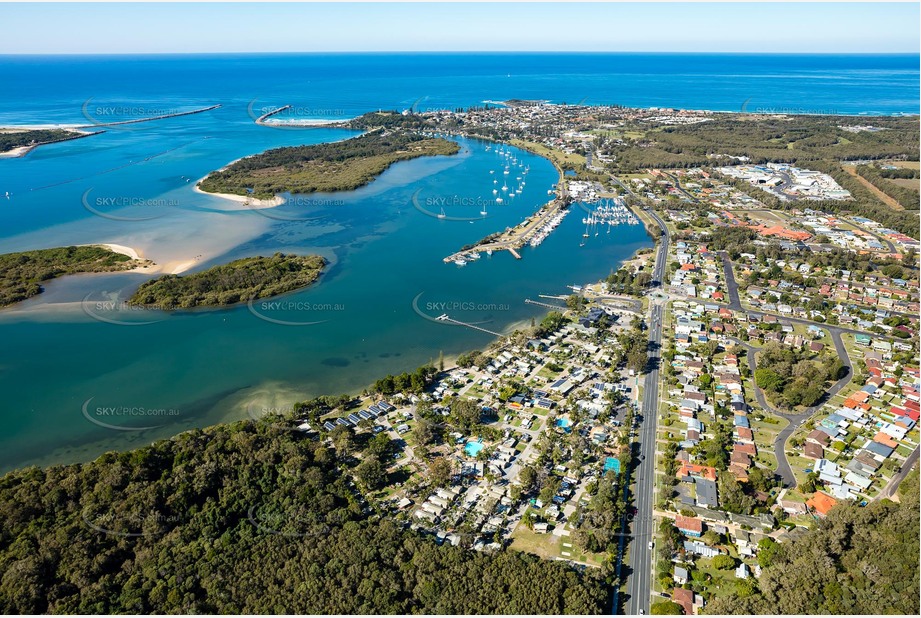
(689, 523)
(821, 502)
(684, 598)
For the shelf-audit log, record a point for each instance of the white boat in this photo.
(460, 262)
(442, 214)
(494, 191)
(498, 200)
(489, 252)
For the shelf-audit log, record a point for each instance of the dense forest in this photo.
(388, 120)
(22, 274)
(859, 560)
(36, 137)
(790, 139)
(334, 166)
(245, 518)
(814, 142)
(238, 281)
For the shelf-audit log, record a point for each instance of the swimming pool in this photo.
(612, 463)
(473, 447)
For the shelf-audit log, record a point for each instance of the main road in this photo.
(639, 579)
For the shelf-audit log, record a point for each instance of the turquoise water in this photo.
(612, 463)
(473, 448)
(563, 422)
(371, 313)
(77, 380)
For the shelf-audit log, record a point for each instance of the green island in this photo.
(246, 518)
(13, 139)
(22, 274)
(336, 166)
(238, 281)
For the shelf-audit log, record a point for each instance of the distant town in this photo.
(709, 401)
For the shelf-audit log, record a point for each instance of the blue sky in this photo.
(228, 27)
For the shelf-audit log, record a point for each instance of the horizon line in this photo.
(478, 51)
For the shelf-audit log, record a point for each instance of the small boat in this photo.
(489, 252)
(442, 214)
(460, 262)
(498, 200)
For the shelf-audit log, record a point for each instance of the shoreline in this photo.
(240, 199)
(244, 398)
(278, 200)
(21, 151)
(174, 267)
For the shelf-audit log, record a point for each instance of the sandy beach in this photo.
(305, 122)
(21, 151)
(173, 267)
(35, 127)
(242, 199)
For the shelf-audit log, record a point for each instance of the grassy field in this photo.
(883, 197)
(550, 546)
(768, 218)
(561, 160)
(908, 183)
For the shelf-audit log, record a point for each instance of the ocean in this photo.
(81, 374)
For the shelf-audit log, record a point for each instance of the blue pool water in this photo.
(473, 448)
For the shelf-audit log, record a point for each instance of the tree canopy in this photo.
(245, 518)
(859, 560)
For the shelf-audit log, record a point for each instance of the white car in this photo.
(650, 544)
